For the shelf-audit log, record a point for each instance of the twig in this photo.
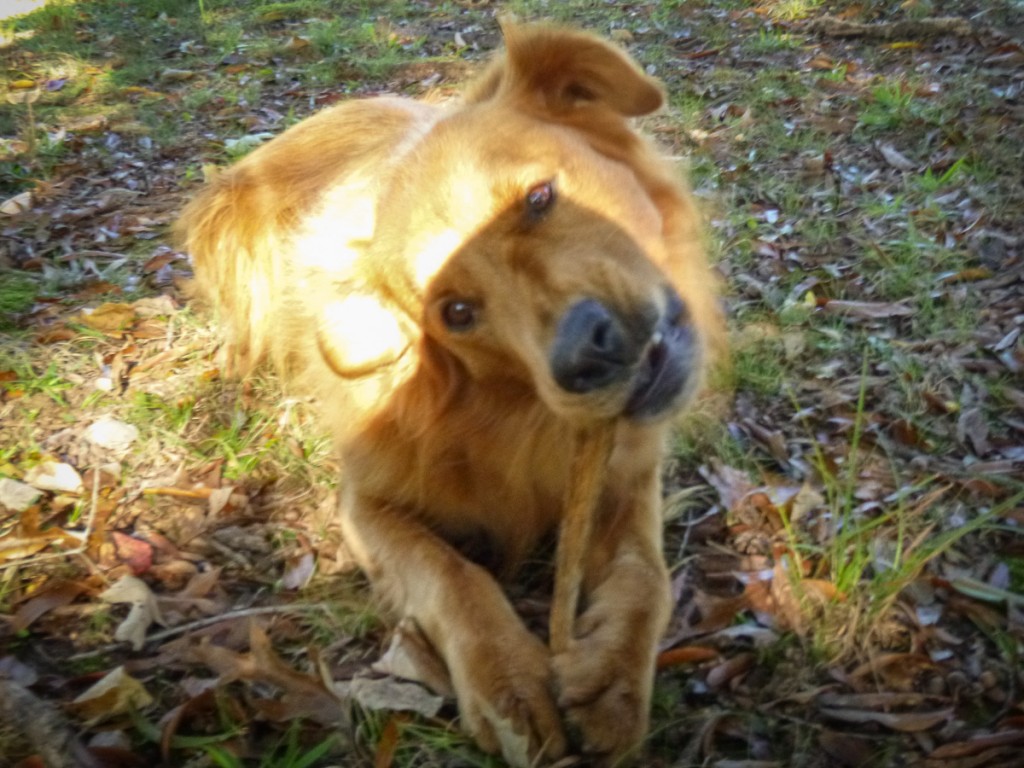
(209, 621)
(909, 29)
(181, 493)
(590, 462)
(242, 613)
(90, 254)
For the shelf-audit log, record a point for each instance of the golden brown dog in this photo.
(464, 288)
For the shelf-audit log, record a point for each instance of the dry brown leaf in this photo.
(54, 476)
(686, 654)
(390, 695)
(303, 695)
(733, 485)
(972, 430)
(111, 433)
(730, 668)
(19, 203)
(55, 594)
(298, 571)
(976, 745)
(387, 744)
(13, 547)
(117, 693)
(170, 75)
(846, 749)
(867, 310)
(109, 317)
(411, 656)
(143, 612)
(16, 495)
(895, 158)
(155, 306)
(905, 722)
(133, 552)
(87, 124)
(893, 671)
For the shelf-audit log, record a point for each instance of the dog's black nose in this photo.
(591, 349)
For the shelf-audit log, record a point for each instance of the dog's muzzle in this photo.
(649, 352)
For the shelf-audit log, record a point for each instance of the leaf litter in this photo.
(846, 553)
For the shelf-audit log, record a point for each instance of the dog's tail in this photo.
(229, 230)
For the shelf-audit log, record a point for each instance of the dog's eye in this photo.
(539, 198)
(459, 314)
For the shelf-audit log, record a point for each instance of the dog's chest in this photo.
(504, 484)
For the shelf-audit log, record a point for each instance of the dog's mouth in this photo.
(662, 374)
(645, 357)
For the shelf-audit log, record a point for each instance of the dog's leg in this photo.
(606, 675)
(500, 671)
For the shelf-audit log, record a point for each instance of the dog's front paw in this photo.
(604, 681)
(504, 690)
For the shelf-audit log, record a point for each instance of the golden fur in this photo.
(415, 266)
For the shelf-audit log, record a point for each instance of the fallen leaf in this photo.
(16, 495)
(299, 571)
(297, 44)
(972, 430)
(23, 95)
(144, 609)
(135, 553)
(158, 262)
(109, 317)
(730, 668)
(303, 695)
(686, 654)
(969, 275)
(87, 124)
(988, 593)
(733, 485)
(386, 694)
(20, 203)
(976, 745)
(155, 306)
(905, 722)
(867, 310)
(895, 671)
(847, 749)
(55, 594)
(54, 476)
(117, 693)
(13, 547)
(387, 744)
(112, 434)
(895, 158)
(170, 75)
(411, 656)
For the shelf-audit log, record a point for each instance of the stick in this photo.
(907, 29)
(590, 462)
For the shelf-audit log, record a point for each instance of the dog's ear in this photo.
(564, 69)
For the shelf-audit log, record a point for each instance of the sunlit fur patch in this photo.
(381, 340)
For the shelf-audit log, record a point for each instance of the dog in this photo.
(465, 288)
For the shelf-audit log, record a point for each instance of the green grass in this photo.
(17, 295)
(291, 751)
(32, 379)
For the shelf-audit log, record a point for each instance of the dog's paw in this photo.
(504, 690)
(604, 681)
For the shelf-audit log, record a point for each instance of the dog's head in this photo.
(531, 239)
